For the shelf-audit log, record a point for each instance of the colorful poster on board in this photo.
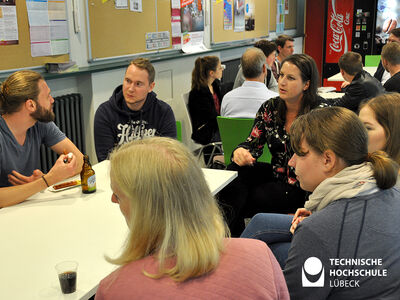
(338, 29)
(286, 7)
(239, 15)
(192, 15)
(280, 16)
(228, 7)
(250, 15)
(8, 23)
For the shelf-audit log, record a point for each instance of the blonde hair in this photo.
(172, 211)
(386, 108)
(17, 88)
(341, 131)
(144, 64)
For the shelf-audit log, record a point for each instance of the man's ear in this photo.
(152, 85)
(30, 105)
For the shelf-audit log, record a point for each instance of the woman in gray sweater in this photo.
(347, 247)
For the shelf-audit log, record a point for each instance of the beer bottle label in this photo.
(91, 182)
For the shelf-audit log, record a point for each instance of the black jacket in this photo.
(379, 71)
(116, 124)
(203, 113)
(363, 87)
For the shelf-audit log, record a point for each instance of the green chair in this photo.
(234, 131)
(179, 131)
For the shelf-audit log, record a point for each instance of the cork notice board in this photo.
(19, 55)
(118, 32)
(219, 35)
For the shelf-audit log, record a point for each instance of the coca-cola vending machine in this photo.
(350, 26)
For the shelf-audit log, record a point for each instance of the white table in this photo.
(338, 76)
(331, 95)
(52, 227)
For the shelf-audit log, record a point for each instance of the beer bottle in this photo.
(88, 177)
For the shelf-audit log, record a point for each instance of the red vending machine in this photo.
(350, 26)
(341, 26)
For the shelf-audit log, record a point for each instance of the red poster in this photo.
(186, 2)
(339, 29)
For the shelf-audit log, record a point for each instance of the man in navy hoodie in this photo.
(133, 111)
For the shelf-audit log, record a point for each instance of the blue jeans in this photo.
(273, 229)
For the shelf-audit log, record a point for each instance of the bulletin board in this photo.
(290, 19)
(19, 55)
(219, 35)
(119, 32)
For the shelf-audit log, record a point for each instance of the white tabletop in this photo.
(331, 95)
(68, 225)
(338, 76)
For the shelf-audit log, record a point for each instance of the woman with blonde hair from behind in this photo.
(178, 245)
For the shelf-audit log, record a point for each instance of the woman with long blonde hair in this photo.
(178, 245)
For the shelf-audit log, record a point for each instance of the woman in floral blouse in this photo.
(272, 188)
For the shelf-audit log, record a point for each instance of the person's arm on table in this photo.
(16, 178)
(69, 147)
(60, 171)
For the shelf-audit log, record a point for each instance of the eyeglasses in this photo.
(223, 67)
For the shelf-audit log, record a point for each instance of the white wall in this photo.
(172, 78)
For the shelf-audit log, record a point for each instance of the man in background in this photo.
(26, 122)
(245, 101)
(285, 47)
(269, 49)
(381, 74)
(390, 58)
(133, 111)
(362, 85)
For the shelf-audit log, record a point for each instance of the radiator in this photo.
(69, 118)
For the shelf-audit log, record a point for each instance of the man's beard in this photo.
(43, 115)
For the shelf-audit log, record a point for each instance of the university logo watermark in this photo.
(341, 272)
(313, 273)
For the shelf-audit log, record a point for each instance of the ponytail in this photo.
(385, 169)
(202, 67)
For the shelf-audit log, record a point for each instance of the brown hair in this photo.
(281, 40)
(387, 112)
(391, 53)
(395, 32)
(341, 131)
(266, 46)
(17, 88)
(351, 63)
(202, 67)
(309, 72)
(144, 64)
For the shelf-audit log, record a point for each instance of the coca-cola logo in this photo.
(338, 32)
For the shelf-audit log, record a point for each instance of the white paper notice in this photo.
(136, 5)
(59, 47)
(176, 4)
(39, 33)
(157, 40)
(58, 30)
(40, 49)
(8, 25)
(176, 27)
(37, 12)
(57, 10)
(121, 4)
